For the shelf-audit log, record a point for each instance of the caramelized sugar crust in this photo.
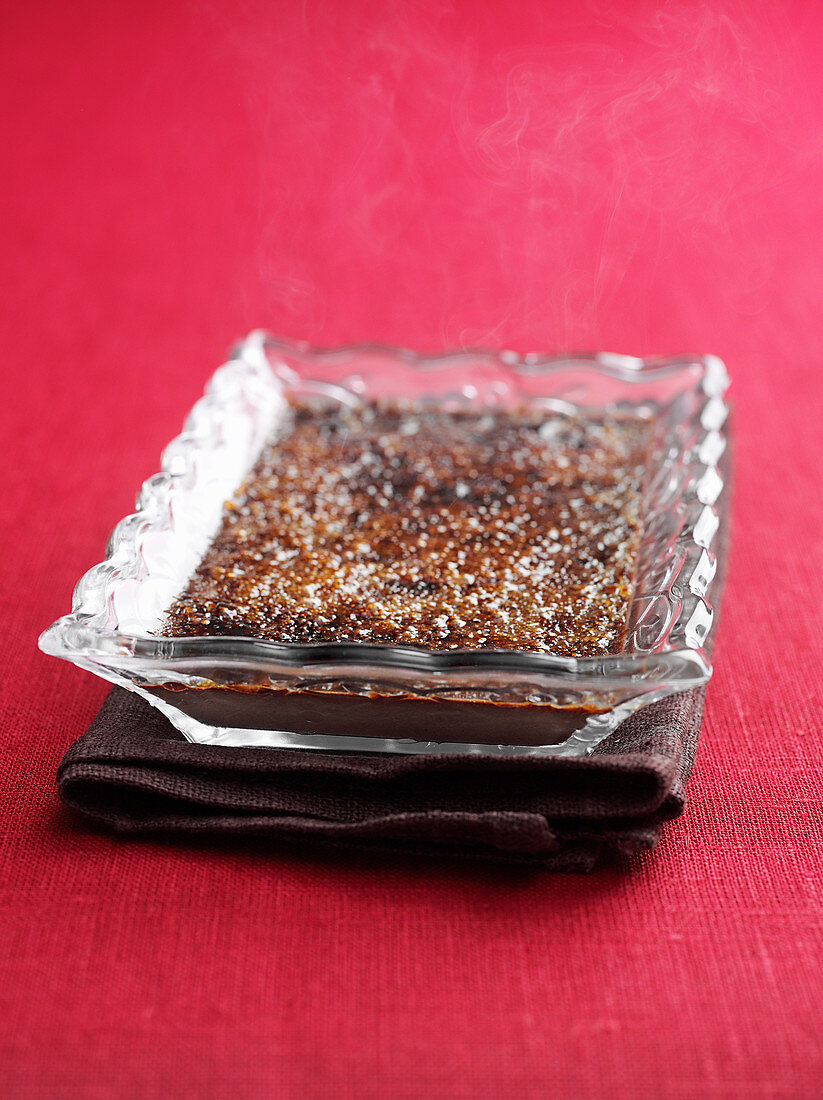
(401, 524)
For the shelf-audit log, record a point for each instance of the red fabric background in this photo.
(641, 177)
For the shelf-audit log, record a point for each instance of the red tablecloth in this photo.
(639, 177)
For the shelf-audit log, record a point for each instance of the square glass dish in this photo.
(354, 696)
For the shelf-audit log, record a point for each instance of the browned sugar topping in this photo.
(407, 525)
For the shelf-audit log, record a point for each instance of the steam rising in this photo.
(545, 175)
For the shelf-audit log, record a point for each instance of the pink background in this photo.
(645, 178)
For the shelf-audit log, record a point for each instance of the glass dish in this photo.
(379, 698)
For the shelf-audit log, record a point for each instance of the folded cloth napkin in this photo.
(134, 773)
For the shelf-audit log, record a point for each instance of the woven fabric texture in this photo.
(133, 773)
(640, 177)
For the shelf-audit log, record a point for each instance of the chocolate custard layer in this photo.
(401, 524)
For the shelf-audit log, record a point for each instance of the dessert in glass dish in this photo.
(366, 549)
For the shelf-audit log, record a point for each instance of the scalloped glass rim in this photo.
(151, 553)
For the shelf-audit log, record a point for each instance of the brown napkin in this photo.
(134, 773)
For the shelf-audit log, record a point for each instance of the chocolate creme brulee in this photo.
(405, 524)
